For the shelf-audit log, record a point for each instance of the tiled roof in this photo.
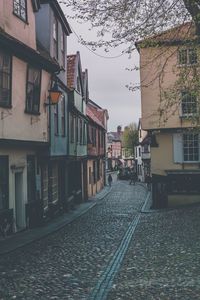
(95, 114)
(71, 69)
(115, 136)
(181, 33)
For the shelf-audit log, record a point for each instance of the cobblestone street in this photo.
(68, 263)
(161, 255)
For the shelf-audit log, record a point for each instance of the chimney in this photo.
(119, 129)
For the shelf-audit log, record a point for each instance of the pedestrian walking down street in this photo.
(110, 179)
(132, 178)
(148, 181)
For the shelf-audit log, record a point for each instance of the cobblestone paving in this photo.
(163, 259)
(68, 263)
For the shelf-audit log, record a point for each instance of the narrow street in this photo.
(69, 263)
(112, 252)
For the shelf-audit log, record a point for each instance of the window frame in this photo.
(31, 178)
(45, 185)
(18, 13)
(9, 79)
(188, 57)
(72, 128)
(62, 48)
(32, 110)
(63, 117)
(190, 105)
(53, 183)
(187, 146)
(55, 38)
(81, 131)
(55, 114)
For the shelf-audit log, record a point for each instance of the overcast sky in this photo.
(108, 78)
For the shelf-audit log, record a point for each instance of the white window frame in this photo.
(188, 61)
(178, 148)
(190, 101)
(191, 149)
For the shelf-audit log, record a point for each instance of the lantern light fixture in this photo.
(54, 94)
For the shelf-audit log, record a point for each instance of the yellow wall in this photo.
(94, 188)
(162, 157)
(159, 72)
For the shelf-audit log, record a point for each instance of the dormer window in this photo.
(20, 9)
(187, 56)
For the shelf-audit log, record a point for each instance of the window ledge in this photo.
(25, 21)
(187, 65)
(188, 116)
(191, 162)
(32, 113)
(5, 105)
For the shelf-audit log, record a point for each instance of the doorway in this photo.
(19, 207)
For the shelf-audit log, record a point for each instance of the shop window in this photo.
(54, 183)
(45, 190)
(184, 184)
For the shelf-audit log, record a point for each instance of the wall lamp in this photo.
(54, 94)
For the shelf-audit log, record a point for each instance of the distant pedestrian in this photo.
(148, 181)
(132, 178)
(118, 173)
(110, 179)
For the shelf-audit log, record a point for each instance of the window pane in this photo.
(191, 147)
(33, 90)
(5, 79)
(63, 116)
(20, 8)
(45, 190)
(54, 183)
(183, 56)
(189, 103)
(56, 119)
(31, 178)
(192, 53)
